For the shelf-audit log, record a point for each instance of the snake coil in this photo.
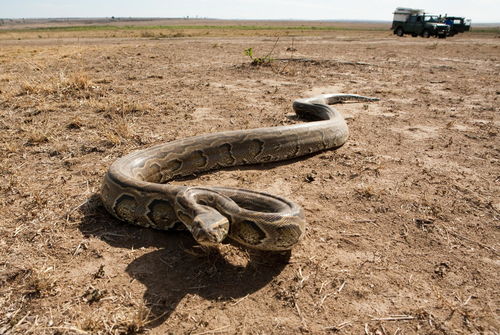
(135, 187)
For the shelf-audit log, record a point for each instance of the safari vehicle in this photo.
(457, 24)
(417, 23)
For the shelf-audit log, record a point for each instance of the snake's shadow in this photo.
(176, 268)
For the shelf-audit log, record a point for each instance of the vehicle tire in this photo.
(400, 32)
(442, 36)
(426, 34)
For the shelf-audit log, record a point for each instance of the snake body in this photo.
(135, 187)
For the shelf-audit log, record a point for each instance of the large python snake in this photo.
(135, 190)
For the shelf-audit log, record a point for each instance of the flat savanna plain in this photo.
(402, 233)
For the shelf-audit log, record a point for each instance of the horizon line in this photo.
(209, 18)
(173, 18)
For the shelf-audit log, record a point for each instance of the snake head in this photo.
(210, 228)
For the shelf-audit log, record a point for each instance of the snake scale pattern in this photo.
(135, 187)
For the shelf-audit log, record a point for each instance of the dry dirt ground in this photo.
(403, 226)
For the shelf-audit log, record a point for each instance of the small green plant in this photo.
(258, 61)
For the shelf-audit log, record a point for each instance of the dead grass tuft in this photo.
(121, 128)
(75, 123)
(366, 192)
(28, 88)
(91, 324)
(12, 147)
(30, 283)
(129, 322)
(37, 284)
(78, 81)
(37, 136)
(136, 323)
(147, 34)
(119, 107)
(116, 131)
(60, 84)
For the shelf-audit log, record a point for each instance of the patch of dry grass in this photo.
(61, 84)
(123, 322)
(120, 107)
(117, 131)
(367, 192)
(34, 286)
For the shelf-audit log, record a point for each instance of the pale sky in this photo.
(477, 10)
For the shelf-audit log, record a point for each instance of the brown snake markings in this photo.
(135, 187)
